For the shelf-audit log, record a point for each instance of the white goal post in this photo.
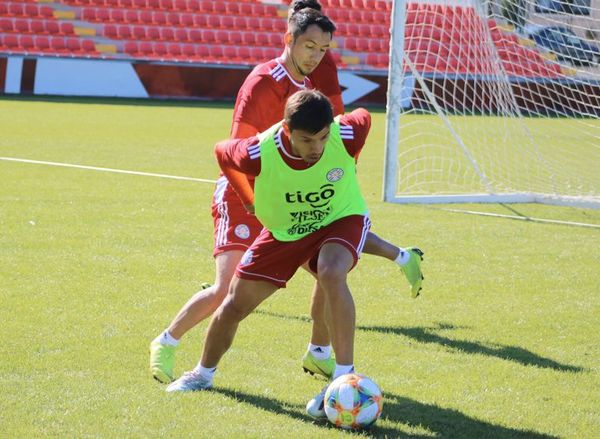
(494, 101)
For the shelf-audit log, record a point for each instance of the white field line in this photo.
(117, 171)
(523, 218)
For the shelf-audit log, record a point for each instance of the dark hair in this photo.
(298, 5)
(299, 21)
(308, 110)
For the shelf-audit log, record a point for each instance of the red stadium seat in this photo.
(206, 6)
(262, 39)
(213, 22)
(139, 4)
(139, 32)
(244, 54)
(131, 47)
(249, 39)
(253, 23)
(132, 17)
(226, 22)
(208, 36)
(6, 25)
(235, 38)
(166, 5)
(3, 9)
(153, 33)
(351, 43)
(230, 54)
(219, 7)
(174, 19)
(271, 53)
(202, 52)
(11, 42)
(180, 5)
(46, 12)
(16, 9)
(215, 52)
(66, 28)
(126, 4)
(240, 23)
(37, 27)
(232, 8)
(110, 31)
(73, 45)
(146, 17)
(222, 37)
(193, 5)
(195, 35)
(145, 48)
(124, 32)
(181, 35)
(201, 21)
(174, 50)
(153, 4)
(167, 34)
(275, 40)
(57, 44)
(258, 9)
(246, 9)
(188, 51)
(159, 17)
(160, 49)
(187, 20)
(88, 14)
(22, 26)
(257, 55)
(42, 43)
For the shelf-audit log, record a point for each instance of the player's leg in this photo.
(198, 308)
(205, 302)
(409, 259)
(317, 358)
(334, 263)
(243, 298)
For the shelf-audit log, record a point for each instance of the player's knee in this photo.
(232, 310)
(332, 275)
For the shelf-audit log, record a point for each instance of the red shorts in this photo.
(276, 261)
(234, 227)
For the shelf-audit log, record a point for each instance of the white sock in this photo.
(167, 339)
(342, 369)
(403, 257)
(205, 372)
(320, 352)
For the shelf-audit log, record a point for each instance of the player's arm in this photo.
(354, 129)
(236, 163)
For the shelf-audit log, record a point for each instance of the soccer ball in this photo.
(353, 401)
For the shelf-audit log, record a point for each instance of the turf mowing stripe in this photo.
(523, 218)
(118, 171)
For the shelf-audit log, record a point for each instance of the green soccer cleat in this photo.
(320, 367)
(162, 361)
(412, 271)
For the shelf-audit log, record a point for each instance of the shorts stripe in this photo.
(272, 279)
(223, 224)
(365, 232)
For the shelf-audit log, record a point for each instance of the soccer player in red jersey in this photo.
(259, 104)
(307, 196)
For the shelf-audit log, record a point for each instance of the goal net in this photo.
(494, 101)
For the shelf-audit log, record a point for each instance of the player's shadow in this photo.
(436, 421)
(429, 335)
(504, 352)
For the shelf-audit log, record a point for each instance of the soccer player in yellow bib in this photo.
(307, 196)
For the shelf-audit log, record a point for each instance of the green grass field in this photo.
(504, 341)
